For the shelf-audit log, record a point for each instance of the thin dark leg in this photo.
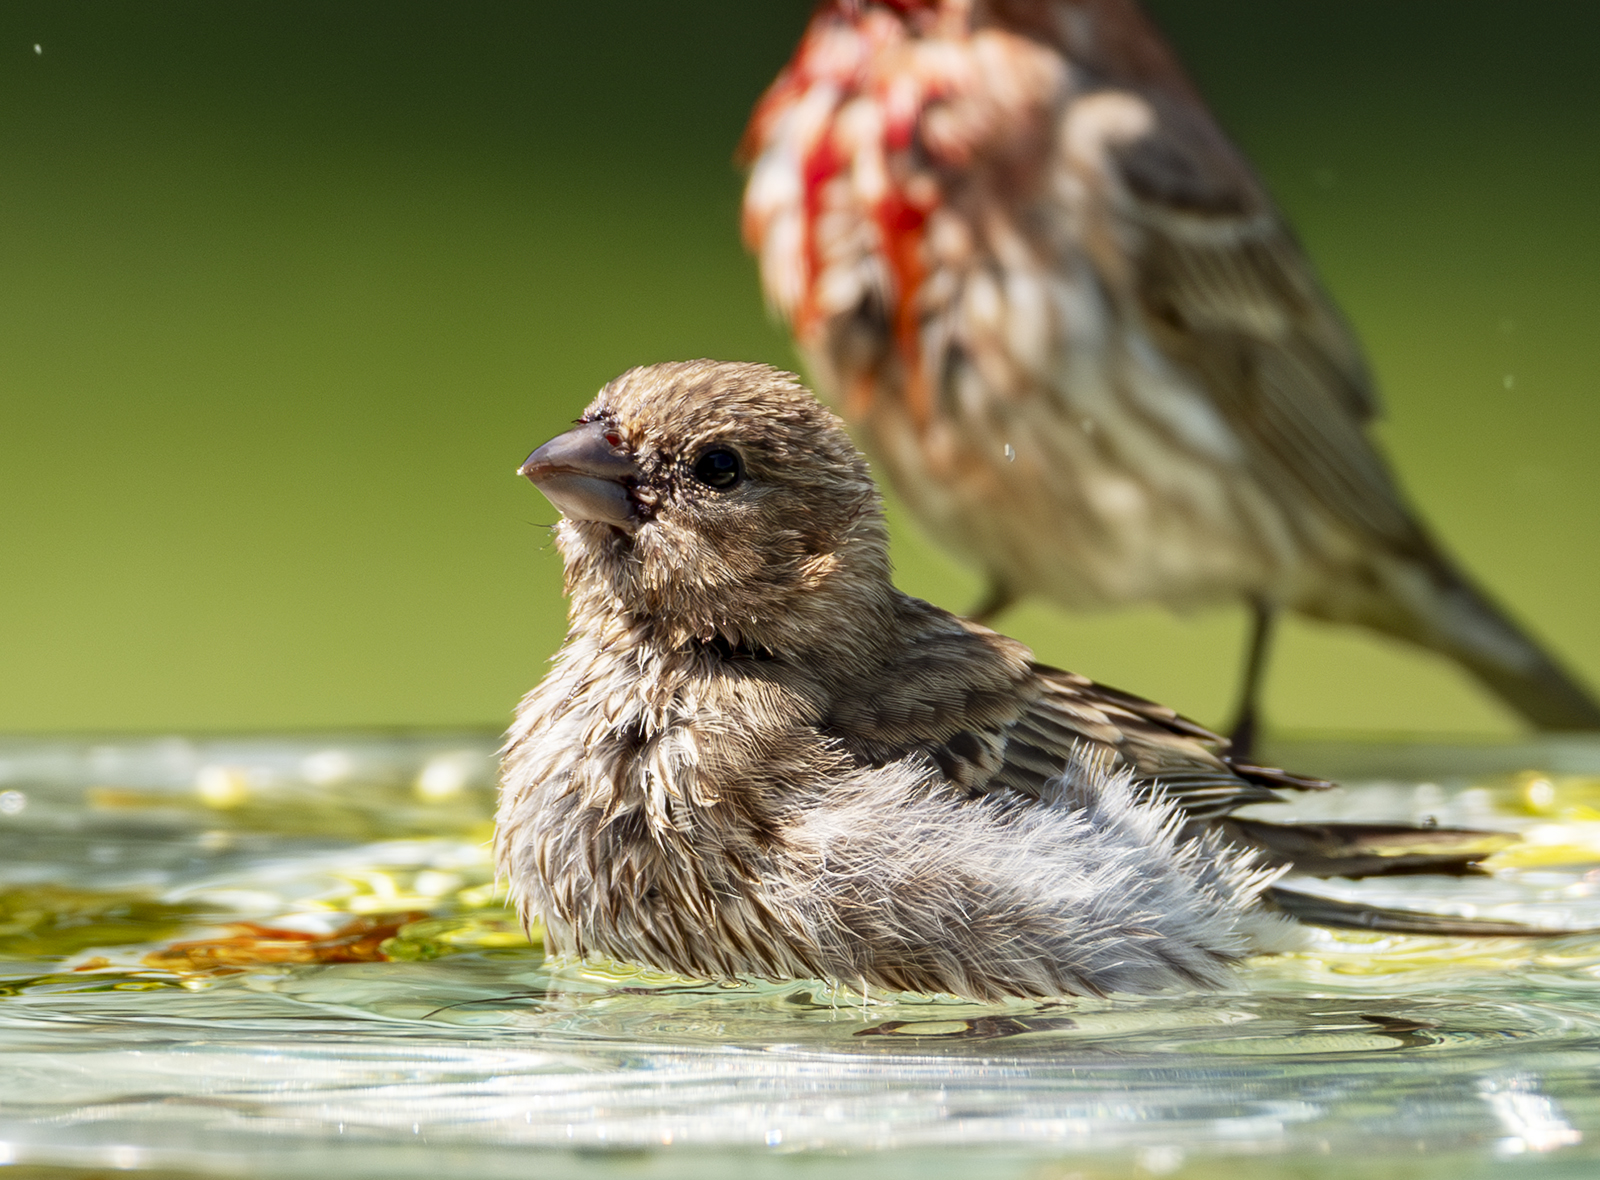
(998, 597)
(1246, 721)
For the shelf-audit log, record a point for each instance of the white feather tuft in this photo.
(1100, 893)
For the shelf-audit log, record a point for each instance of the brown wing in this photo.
(1218, 277)
(1186, 761)
(1229, 295)
(992, 720)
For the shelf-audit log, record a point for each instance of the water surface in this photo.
(283, 956)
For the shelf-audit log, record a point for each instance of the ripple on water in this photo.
(222, 952)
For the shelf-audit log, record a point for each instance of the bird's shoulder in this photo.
(943, 686)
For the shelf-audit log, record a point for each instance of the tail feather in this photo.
(1367, 850)
(1348, 915)
(1424, 599)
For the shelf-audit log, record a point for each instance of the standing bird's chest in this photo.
(957, 248)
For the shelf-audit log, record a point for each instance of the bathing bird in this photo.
(1059, 307)
(755, 757)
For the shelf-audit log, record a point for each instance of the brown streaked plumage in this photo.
(755, 757)
(1020, 255)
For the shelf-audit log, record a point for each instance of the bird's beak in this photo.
(585, 476)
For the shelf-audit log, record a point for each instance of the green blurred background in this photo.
(287, 290)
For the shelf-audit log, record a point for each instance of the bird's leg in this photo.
(996, 599)
(1247, 719)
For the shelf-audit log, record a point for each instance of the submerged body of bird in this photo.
(756, 757)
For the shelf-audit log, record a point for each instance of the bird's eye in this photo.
(718, 468)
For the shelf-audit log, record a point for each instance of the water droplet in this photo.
(1539, 794)
(1011, 453)
(1510, 381)
(12, 802)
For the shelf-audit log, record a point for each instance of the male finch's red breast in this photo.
(849, 150)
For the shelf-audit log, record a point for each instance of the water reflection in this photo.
(282, 956)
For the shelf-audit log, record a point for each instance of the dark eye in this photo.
(718, 468)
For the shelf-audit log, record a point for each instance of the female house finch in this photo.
(1020, 255)
(755, 756)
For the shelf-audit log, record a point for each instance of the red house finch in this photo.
(1060, 308)
(755, 757)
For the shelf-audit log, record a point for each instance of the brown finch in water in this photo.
(1060, 308)
(755, 757)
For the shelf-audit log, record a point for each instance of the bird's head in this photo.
(719, 503)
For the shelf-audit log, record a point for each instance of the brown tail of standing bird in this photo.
(1426, 600)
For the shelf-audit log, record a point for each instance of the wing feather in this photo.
(1219, 278)
(1167, 752)
(1229, 294)
(990, 720)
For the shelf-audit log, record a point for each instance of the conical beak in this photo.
(586, 476)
